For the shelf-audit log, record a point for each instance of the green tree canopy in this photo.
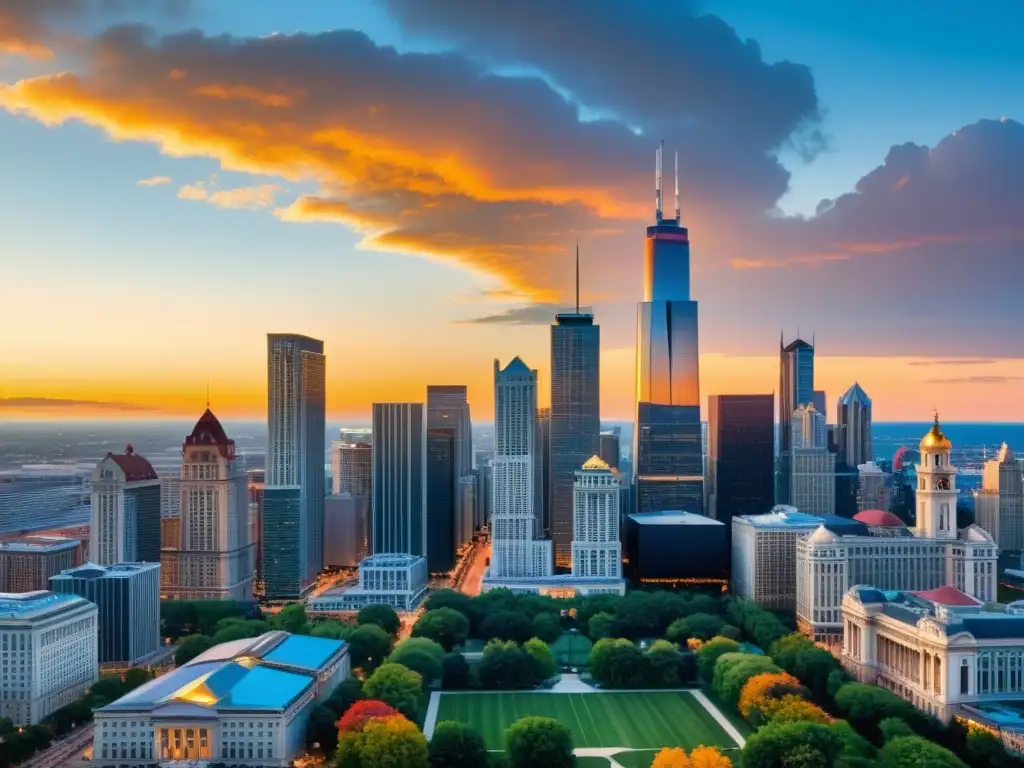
(454, 745)
(191, 647)
(591, 606)
(507, 625)
(332, 629)
(443, 625)
(344, 696)
(291, 618)
(916, 752)
(398, 686)
(547, 626)
(541, 659)
(420, 654)
(600, 626)
(384, 616)
(710, 652)
(792, 745)
(702, 626)
(455, 672)
(810, 664)
(894, 728)
(321, 729)
(505, 666)
(392, 742)
(865, 706)
(531, 742)
(368, 646)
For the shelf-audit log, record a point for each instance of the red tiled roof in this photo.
(947, 596)
(878, 517)
(208, 431)
(135, 467)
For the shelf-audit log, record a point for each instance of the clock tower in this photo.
(936, 487)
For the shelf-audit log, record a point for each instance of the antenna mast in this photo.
(657, 183)
(678, 217)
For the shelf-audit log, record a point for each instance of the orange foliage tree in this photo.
(792, 708)
(764, 687)
(358, 714)
(671, 757)
(708, 757)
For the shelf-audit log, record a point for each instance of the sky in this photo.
(407, 179)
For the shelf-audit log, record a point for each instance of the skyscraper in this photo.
(442, 523)
(213, 558)
(812, 480)
(741, 447)
(399, 506)
(796, 388)
(516, 550)
(293, 497)
(853, 427)
(448, 408)
(596, 545)
(610, 452)
(575, 413)
(999, 504)
(820, 401)
(667, 441)
(125, 513)
(542, 471)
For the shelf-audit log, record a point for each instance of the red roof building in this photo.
(877, 518)
(948, 596)
(208, 431)
(135, 467)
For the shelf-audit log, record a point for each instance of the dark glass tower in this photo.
(796, 388)
(667, 443)
(741, 450)
(399, 507)
(575, 414)
(441, 464)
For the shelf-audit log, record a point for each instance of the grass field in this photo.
(647, 720)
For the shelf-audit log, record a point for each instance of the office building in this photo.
(796, 388)
(352, 465)
(853, 427)
(999, 505)
(255, 484)
(399, 506)
(442, 504)
(820, 403)
(609, 448)
(812, 484)
(483, 493)
(516, 551)
(943, 651)
(28, 562)
(353, 435)
(764, 553)
(49, 642)
(465, 509)
(128, 598)
(214, 558)
(170, 534)
(933, 554)
(345, 522)
(125, 522)
(542, 471)
(396, 580)
(872, 488)
(170, 495)
(673, 548)
(741, 451)
(245, 702)
(668, 460)
(33, 499)
(596, 548)
(293, 496)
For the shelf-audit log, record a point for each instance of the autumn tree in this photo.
(391, 742)
(708, 757)
(760, 688)
(358, 714)
(671, 757)
(398, 686)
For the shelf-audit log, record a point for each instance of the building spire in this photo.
(657, 182)
(577, 274)
(678, 216)
(207, 394)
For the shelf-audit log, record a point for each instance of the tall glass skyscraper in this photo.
(575, 428)
(796, 388)
(399, 505)
(667, 441)
(293, 496)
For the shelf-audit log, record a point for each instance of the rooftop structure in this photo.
(27, 563)
(398, 580)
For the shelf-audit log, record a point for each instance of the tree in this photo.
(671, 757)
(332, 630)
(507, 625)
(384, 616)
(665, 665)
(600, 626)
(191, 647)
(541, 659)
(793, 709)
(547, 627)
(865, 706)
(455, 745)
(360, 713)
(368, 646)
(761, 688)
(454, 672)
(135, 677)
(854, 745)
(398, 686)
(235, 630)
(708, 757)
(710, 652)
(982, 749)
(732, 671)
(6, 726)
(420, 654)
(505, 666)
(392, 742)
(837, 678)
(322, 729)
(291, 618)
(701, 603)
(591, 606)
(792, 745)
(344, 696)
(443, 625)
(536, 741)
(813, 665)
(894, 728)
(915, 752)
(703, 626)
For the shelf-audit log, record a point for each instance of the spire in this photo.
(678, 216)
(207, 394)
(657, 182)
(577, 275)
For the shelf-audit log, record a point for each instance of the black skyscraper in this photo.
(741, 439)
(441, 460)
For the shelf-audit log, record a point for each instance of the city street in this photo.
(475, 576)
(64, 753)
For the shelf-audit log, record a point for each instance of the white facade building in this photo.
(932, 555)
(48, 642)
(808, 428)
(1000, 502)
(872, 492)
(245, 702)
(812, 465)
(396, 580)
(125, 510)
(596, 547)
(943, 651)
(516, 552)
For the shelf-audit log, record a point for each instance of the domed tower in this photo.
(936, 486)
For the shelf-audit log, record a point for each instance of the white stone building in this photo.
(932, 555)
(999, 504)
(596, 548)
(396, 580)
(245, 702)
(49, 647)
(125, 510)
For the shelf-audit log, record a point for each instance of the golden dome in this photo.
(595, 462)
(935, 440)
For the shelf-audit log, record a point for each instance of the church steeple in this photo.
(936, 486)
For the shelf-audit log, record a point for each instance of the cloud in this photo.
(810, 259)
(976, 380)
(259, 196)
(960, 361)
(56, 402)
(194, 191)
(531, 314)
(154, 181)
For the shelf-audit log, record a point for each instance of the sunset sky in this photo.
(406, 180)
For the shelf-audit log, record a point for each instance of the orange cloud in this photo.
(810, 259)
(154, 181)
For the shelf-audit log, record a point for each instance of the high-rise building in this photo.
(999, 505)
(596, 546)
(214, 557)
(52, 653)
(441, 500)
(796, 388)
(399, 506)
(872, 491)
(575, 413)
(812, 479)
(610, 450)
(448, 408)
(345, 522)
(483, 493)
(668, 461)
(293, 497)
(741, 449)
(125, 510)
(128, 598)
(853, 427)
(355, 468)
(542, 470)
(170, 495)
(820, 402)
(255, 484)
(516, 551)
(28, 562)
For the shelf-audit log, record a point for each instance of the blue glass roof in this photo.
(304, 652)
(164, 686)
(27, 603)
(266, 688)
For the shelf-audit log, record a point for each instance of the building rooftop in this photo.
(208, 431)
(948, 596)
(672, 517)
(955, 611)
(782, 516)
(38, 544)
(596, 462)
(27, 605)
(119, 571)
(389, 561)
(135, 467)
(878, 518)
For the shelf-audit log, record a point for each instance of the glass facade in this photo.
(399, 507)
(441, 458)
(796, 388)
(741, 440)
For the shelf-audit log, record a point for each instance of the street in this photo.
(63, 753)
(475, 575)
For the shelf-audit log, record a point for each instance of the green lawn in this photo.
(647, 720)
(636, 759)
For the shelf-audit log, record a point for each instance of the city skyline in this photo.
(465, 236)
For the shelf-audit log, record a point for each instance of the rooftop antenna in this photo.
(678, 216)
(207, 394)
(657, 182)
(577, 274)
